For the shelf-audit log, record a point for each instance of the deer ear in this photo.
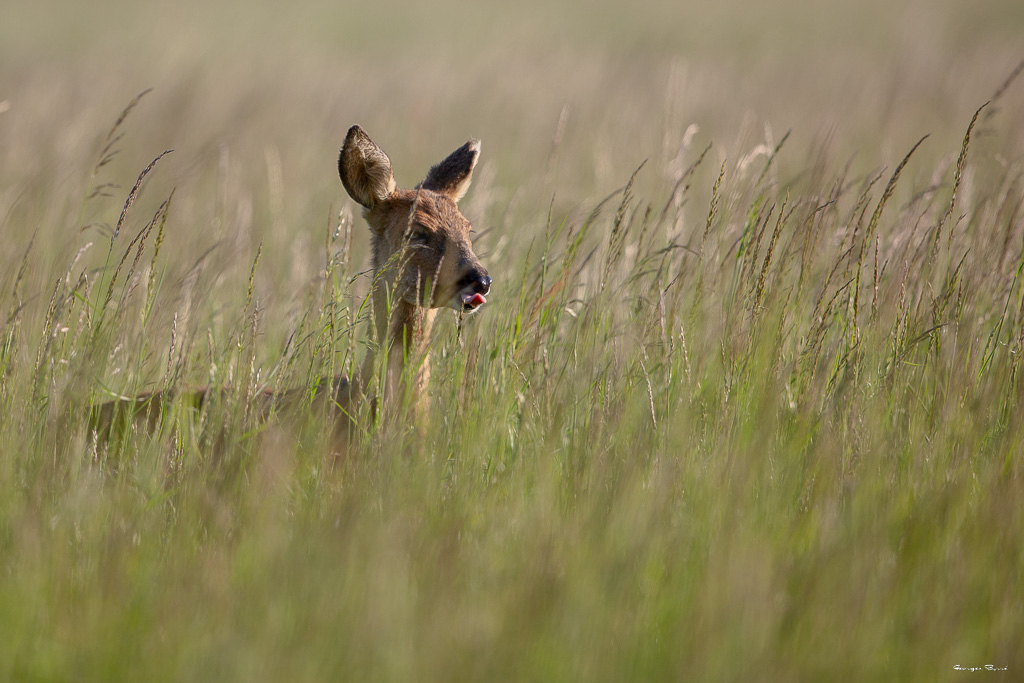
(453, 175)
(365, 169)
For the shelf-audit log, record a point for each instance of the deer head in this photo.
(421, 242)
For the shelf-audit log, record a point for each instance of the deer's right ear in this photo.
(365, 169)
(453, 175)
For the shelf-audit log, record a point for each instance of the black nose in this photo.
(478, 279)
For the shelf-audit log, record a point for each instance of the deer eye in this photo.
(419, 236)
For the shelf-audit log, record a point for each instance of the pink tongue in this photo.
(474, 300)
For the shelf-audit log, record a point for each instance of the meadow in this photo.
(745, 402)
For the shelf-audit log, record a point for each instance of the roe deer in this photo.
(423, 260)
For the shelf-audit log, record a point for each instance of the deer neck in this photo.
(403, 333)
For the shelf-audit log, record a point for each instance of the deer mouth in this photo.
(472, 301)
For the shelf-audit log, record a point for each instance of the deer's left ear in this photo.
(365, 169)
(453, 175)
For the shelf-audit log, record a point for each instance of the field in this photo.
(745, 404)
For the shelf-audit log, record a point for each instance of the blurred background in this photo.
(567, 97)
(870, 528)
(276, 84)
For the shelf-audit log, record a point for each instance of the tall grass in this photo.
(749, 409)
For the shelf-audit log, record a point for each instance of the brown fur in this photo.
(423, 260)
